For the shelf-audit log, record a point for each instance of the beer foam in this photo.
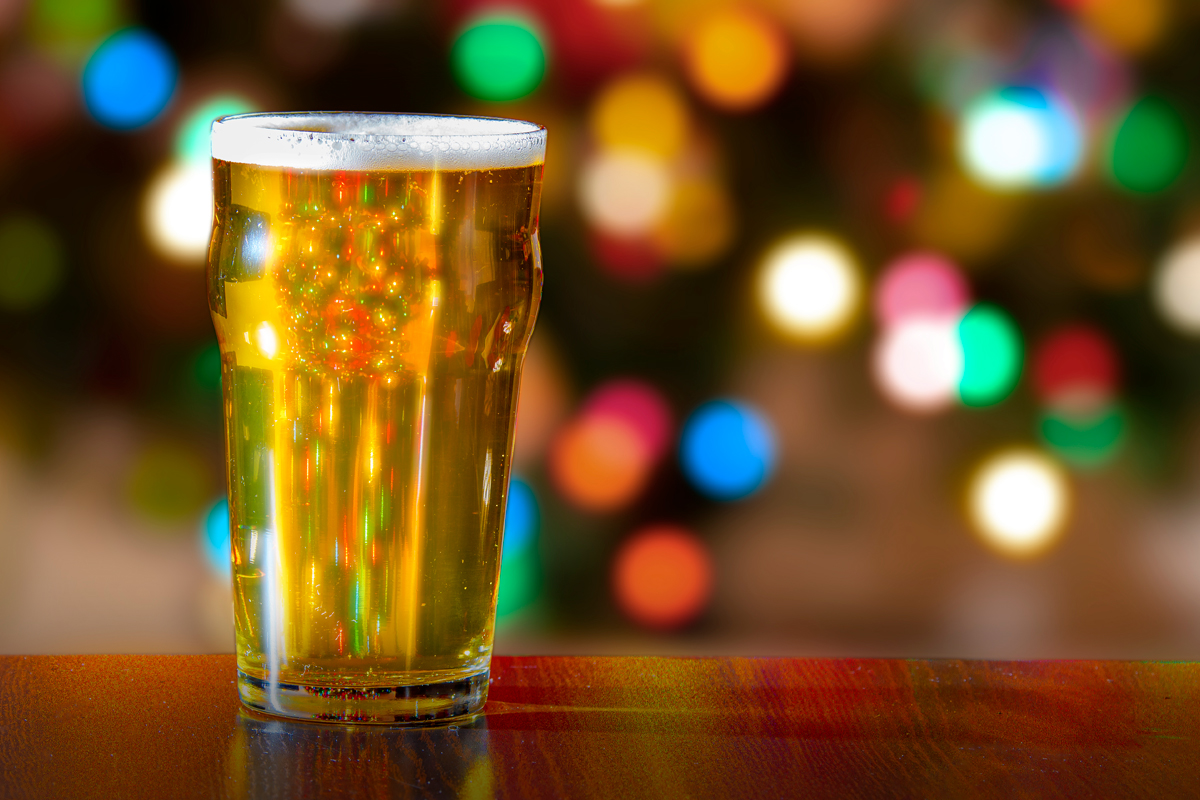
(343, 140)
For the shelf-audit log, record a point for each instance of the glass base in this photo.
(389, 705)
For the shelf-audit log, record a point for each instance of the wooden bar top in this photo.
(171, 726)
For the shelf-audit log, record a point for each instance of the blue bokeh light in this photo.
(214, 538)
(129, 79)
(520, 520)
(727, 450)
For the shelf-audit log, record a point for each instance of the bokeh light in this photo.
(736, 58)
(727, 449)
(167, 482)
(1132, 26)
(624, 192)
(31, 262)
(499, 58)
(640, 406)
(810, 287)
(918, 363)
(1018, 502)
(70, 28)
(177, 211)
(1176, 288)
(333, 14)
(641, 112)
(963, 218)
(206, 367)
(129, 79)
(1075, 362)
(992, 355)
(215, 540)
(699, 223)
(1020, 136)
(191, 141)
(920, 284)
(1149, 147)
(662, 577)
(519, 569)
(1085, 438)
(599, 462)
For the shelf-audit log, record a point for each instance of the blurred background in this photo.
(869, 327)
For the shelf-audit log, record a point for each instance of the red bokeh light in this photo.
(1075, 359)
(639, 405)
(598, 462)
(662, 577)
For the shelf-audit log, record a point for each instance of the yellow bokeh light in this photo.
(641, 112)
(699, 224)
(1018, 502)
(736, 58)
(1132, 26)
(177, 212)
(810, 287)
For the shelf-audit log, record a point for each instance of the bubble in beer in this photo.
(662, 577)
(177, 211)
(809, 287)
(129, 79)
(1019, 501)
(498, 58)
(191, 141)
(736, 58)
(31, 262)
(727, 449)
(215, 538)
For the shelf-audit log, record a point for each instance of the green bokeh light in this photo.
(206, 368)
(519, 582)
(992, 356)
(498, 59)
(74, 18)
(31, 258)
(1084, 440)
(1150, 147)
(191, 142)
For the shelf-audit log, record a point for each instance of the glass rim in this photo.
(349, 140)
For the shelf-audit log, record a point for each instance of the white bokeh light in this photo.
(1018, 502)
(178, 212)
(919, 362)
(624, 192)
(809, 287)
(1177, 286)
(1020, 137)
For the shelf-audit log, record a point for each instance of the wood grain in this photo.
(171, 726)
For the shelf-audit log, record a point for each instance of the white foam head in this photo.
(345, 140)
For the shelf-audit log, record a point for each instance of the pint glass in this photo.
(373, 280)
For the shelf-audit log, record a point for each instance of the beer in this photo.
(372, 323)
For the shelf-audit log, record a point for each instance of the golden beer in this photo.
(373, 281)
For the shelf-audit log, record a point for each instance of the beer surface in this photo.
(372, 326)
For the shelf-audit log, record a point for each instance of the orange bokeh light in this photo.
(736, 58)
(599, 462)
(662, 577)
